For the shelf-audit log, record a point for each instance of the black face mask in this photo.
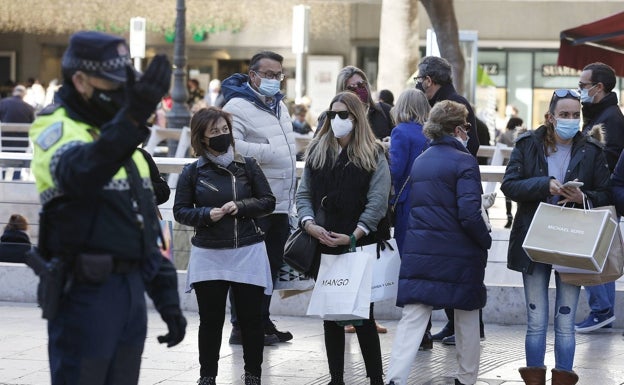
(419, 86)
(220, 143)
(108, 102)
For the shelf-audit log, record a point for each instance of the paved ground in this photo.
(23, 355)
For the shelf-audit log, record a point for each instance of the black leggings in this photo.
(369, 345)
(211, 298)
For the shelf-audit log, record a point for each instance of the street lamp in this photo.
(179, 116)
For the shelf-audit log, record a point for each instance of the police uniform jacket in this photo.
(90, 203)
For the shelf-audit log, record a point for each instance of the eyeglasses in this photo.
(341, 114)
(466, 127)
(270, 75)
(563, 92)
(419, 79)
(355, 86)
(583, 85)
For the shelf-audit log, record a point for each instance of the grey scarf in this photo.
(222, 160)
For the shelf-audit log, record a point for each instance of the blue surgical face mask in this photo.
(269, 87)
(567, 128)
(585, 98)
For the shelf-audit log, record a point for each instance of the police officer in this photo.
(99, 215)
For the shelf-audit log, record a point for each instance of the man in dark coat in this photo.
(14, 109)
(600, 107)
(435, 79)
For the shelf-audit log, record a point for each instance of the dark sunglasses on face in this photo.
(341, 114)
(563, 92)
(353, 87)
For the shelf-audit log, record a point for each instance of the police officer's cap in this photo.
(98, 54)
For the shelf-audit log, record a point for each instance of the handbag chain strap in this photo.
(396, 201)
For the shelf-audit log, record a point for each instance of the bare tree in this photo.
(398, 44)
(398, 41)
(442, 16)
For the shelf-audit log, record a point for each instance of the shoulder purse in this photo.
(300, 248)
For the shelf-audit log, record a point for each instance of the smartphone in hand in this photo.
(573, 183)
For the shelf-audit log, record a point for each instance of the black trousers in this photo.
(211, 299)
(276, 228)
(369, 345)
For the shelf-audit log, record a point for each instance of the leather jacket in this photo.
(204, 185)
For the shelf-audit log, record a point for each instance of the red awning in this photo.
(600, 41)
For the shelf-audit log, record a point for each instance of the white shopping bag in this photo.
(386, 266)
(343, 287)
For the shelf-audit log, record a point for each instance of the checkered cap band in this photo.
(111, 65)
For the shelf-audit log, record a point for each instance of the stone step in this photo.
(505, 293)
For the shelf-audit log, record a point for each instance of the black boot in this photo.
(206, 381)
(250, 379)
(509, 221)
(336, 378)
(427, 342)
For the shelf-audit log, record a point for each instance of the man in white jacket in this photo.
(262, 129)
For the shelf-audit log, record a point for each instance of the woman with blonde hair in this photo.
(354, 80)
(346, 175)
(445, 250)
(406, 143)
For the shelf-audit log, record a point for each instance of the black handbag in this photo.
(300, 250)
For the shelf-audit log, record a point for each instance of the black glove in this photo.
(176, 323)
(144, 95)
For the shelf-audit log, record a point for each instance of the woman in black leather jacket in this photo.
(221, 195)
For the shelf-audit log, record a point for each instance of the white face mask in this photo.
(463, 142)
(341, 127)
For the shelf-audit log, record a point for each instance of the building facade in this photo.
(517, 42)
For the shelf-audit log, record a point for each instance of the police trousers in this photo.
(98, 336)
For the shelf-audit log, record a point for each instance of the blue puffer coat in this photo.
(445, 249)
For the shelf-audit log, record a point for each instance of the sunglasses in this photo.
(563, 92)
(341, 114)
(353, 87)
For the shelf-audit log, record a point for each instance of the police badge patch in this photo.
(50, 135)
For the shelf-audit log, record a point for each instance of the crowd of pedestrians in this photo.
(417, 159)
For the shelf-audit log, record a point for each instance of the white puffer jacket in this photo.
(268, 138)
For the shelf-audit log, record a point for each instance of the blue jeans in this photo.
(601, 297)
(566, 299)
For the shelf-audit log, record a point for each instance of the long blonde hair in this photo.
(363, 148)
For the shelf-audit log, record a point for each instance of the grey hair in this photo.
(443, 118)
(412, 106)
(437, 68)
